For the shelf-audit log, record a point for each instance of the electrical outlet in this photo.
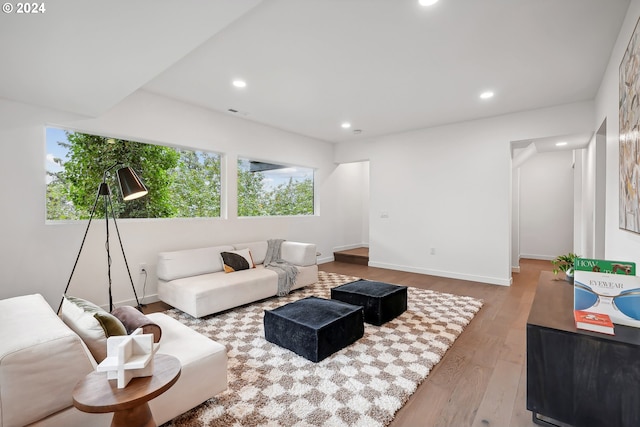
(433, 251)
(143, 268)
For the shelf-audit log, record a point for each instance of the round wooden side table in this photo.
(96, 394)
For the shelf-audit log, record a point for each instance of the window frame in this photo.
(314, 192)
(178, 147)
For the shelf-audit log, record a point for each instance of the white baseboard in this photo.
(535, 256)
(347, 247)
(148, 299)
(448, 274)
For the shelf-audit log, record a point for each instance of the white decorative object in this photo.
(128, 356)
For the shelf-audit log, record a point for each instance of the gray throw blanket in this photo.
(287, 272)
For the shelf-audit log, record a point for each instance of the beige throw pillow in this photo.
(93, 324)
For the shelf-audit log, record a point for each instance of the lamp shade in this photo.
(130, 184)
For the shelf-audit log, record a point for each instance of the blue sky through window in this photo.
(54, 150)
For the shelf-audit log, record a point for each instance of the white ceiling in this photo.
(86, 56)
(386, 66)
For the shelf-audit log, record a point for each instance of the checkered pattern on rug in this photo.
(364, 384)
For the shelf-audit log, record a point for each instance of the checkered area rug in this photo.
(362, 385)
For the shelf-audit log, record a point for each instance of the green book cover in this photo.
(605, 266)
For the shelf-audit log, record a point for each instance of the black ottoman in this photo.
(314, 327)
(381, 301)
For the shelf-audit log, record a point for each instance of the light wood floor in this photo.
(481, 380)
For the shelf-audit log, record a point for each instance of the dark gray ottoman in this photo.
(314, 327)
(381, 301)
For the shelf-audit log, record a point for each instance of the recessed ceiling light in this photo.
(561, 143)
(346, 125)
(239, 83)
(486, 95)
(427, 2)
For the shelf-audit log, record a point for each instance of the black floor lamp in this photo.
(131, 188)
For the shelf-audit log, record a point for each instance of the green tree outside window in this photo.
(181, 183)
(274, 190)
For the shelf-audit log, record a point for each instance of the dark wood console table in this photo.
(577, 377)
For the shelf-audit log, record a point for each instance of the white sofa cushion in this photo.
(211, 293)
(74, 417)
(204, 368)
(190, 262)
(302, 254)
(258, 250)
(306, 276)
(41, 360)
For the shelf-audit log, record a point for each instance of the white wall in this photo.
(38, 257)
(449, 188)
(620, 244)
(600, 196)
(546, 205)
(366, 209)
(515, 220)
(588, 201)
(579, 237)
(351, 203)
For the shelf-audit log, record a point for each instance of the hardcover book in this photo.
(605, 266)
(595, 322)
(616, 295)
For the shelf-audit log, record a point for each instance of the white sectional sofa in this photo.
(42, 359)
(194, 280)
